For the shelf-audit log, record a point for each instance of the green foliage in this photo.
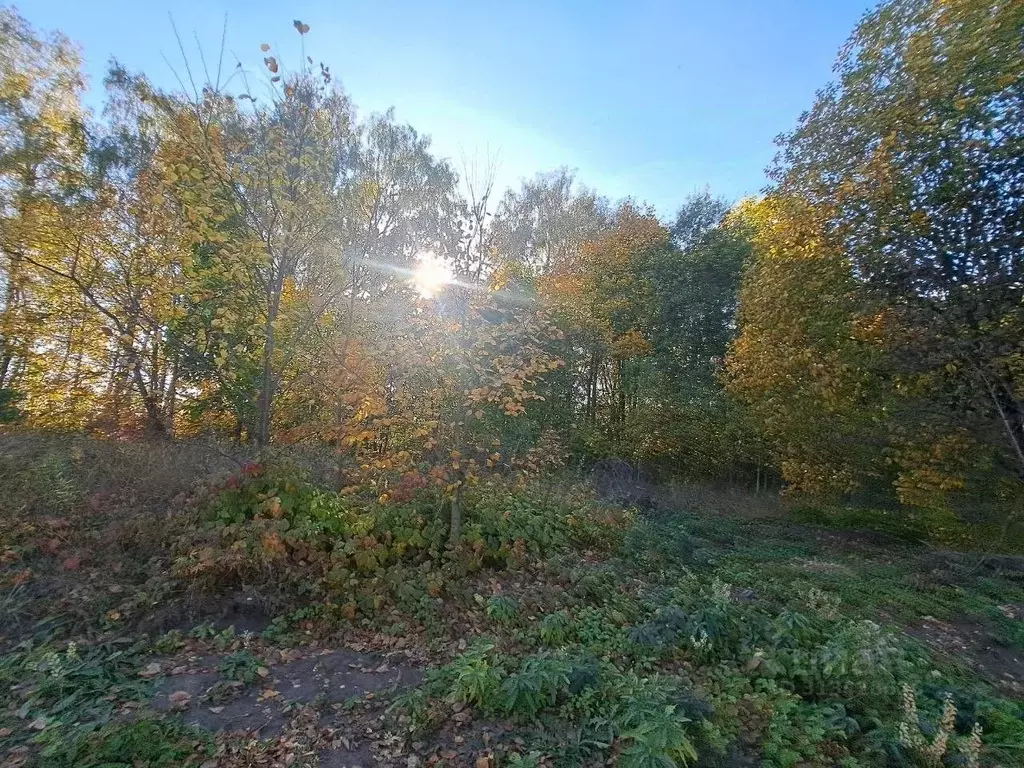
(554, 628)
(71, 684)
(648, 722)
(473, 678)
(271, 524)
(9, 399)
(241, 666)
(537, 685)
(71, 693)
(797, 730)
(531, 759)
(48, 485)
(901, 524)
(502, 609)
(512, 523)
(154, 743)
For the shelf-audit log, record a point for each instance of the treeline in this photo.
(251, 259)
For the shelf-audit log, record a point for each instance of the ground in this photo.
(708, 627)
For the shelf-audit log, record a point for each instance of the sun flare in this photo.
(430, 275)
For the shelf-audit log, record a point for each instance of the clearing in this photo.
(252, 618)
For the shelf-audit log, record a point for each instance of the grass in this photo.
(561, 632)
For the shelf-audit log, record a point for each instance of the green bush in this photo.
(502, 609)
(241, 666)
(474, 679)
(537, 685)
(554, 628)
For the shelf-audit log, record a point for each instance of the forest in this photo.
(291, 405)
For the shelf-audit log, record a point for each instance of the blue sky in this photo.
(648, 98)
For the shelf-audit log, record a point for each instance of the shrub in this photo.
(554, 628)
(241, 666)
(856, 660)
(502, 609)
(649, 725)
(474, 679)
(537, 684)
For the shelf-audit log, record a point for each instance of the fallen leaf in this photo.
(180, 699)
(50, 546)
(5, 732)
(150, 670)
(216, 710)
(38, 724)
(262, 671)
(72, 563)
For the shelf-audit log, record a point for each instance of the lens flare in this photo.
(430, 275)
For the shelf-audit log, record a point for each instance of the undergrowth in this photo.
(598, 635)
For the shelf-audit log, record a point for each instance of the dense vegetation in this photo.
(272, 366)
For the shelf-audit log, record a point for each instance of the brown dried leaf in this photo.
(180, 699)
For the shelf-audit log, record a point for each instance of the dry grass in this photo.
(727, 502)
(50, 474)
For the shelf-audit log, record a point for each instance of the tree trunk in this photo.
(5, 366)
(170, 399)
(154, 424)
(592, 388)
(455, 532)
(266, 397)
(1012, 416)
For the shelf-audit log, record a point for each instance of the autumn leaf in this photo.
(302, 28)
(180, 700)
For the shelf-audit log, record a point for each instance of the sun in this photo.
(430, 275)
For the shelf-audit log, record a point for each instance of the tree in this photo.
(693, 426)
(797, 362)
(914, 160)
(42, 151)
(600, 295)
(269, 172)
(547, 221)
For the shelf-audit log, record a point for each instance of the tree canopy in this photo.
(239, 260)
